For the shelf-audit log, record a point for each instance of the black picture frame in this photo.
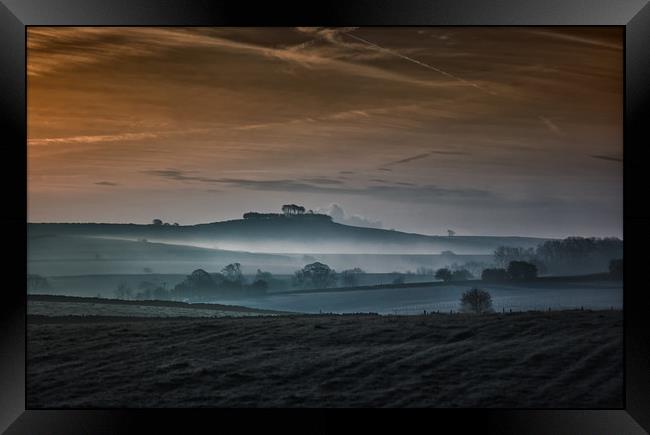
(15, 15)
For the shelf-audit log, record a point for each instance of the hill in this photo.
(286, 234)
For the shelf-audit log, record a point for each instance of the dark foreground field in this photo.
(570, 359)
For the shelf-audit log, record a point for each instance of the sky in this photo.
(481, 130)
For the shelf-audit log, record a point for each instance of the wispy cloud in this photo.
(106, 183)
(62, 48)
(609, 158)
(93, 139)
(551, 125)
(574, 38)
(396, 191)
(422, 64)
(408, 159)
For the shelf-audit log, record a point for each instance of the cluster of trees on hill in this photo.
(288, 210)
(570, 256)
(159, 222)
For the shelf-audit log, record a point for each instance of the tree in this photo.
(476, 301)
(264, 276)
(497, 274)
(451, 233)
(503, 255)
(292, 209)
(575, 255)
(522, 270)
(315, 275)
(233, 275)
(157, 222)
(443, 274)
(616, 268)
(350, 277)
(262, 281)
(461, 275)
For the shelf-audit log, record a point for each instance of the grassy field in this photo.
(59, 306)
(567, 359)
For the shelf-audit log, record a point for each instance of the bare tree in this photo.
(476, 301)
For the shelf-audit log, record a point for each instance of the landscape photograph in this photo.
(424, 217)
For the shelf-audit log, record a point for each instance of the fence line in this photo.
(454, 309)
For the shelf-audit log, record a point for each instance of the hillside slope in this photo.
(287, 234)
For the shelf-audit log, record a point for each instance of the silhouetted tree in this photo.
(198, 284)
(264, 276)
(157, 222)
(522, 270)
(315, 275)
(476, 301)
(616, 268)
(579, 254)
(496, 274)
(443, 274)
(503, 255)
(233, 273)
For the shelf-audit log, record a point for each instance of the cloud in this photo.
(322, 180)
(53, 49)
(420, 63)
(450, 153)
(106, 183)
(610, 158)
(551, 125)
(339, 215)
(573, 38)
(408, 159)
(93, 139)
(402, 192)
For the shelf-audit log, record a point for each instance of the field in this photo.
(565, 359)
(59, 306)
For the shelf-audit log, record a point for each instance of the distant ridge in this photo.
(279, 233)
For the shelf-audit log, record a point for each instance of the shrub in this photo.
(476, 301)
(443, 274)
(522, 270)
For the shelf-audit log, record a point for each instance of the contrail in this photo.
(425, 65)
